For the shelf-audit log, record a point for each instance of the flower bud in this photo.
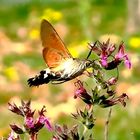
(112, 81)
(16, 129)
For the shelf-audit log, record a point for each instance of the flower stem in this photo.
(85, 130)
(106, 124)
(33, 137)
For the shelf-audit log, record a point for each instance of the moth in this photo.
(62, 66)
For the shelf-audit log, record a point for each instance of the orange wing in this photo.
(54, 49)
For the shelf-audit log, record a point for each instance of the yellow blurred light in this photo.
(135, 59)
(11, 73)
(67, 108)
(50, 14)
(74, 52)
(19, 48)
(34, 34)
(134, 42)
(113, 38)
(77, 49)
(126, 73)
(90, 70)
(3, 131)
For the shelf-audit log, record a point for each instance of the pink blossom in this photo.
(127, 62)
(11, 136)
(29, 122)
(43, 120)
(103, 57)
(112, 81)
(122, 55)
(80, 91)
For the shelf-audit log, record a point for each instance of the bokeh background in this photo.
(77, 22)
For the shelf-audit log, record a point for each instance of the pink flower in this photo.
(112, 81)
(29, 122)
(127, 62)
(105, 51)
(43, 120)
(104, 57)
(121, 55)
(99, 47)
(81, 90)
(82, 93)
(13, 136)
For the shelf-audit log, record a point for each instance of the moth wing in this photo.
(54, 49)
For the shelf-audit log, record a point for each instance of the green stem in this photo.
(107, 124)
(33, 136)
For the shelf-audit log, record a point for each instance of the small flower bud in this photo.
(15, 109)
(13, 136)
(55, 138)
(16, 129)
(112, 81)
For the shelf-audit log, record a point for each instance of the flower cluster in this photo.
(86, 117)
(105, 51)
(103, 93)
(106, 99)
(64, 133)
(108, 60)
(31, 125)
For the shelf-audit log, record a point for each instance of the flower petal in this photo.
(44, 120)
(48, 124)
(29, 122)
(127, 62)
(120, 53)
(104, 59)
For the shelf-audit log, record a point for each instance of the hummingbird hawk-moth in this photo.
(62, 66)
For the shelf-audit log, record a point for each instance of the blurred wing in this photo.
(54, 49)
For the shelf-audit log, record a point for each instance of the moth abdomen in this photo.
(42, 78)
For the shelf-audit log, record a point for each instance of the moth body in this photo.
(67, 70)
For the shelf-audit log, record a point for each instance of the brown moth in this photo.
(62, 66)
